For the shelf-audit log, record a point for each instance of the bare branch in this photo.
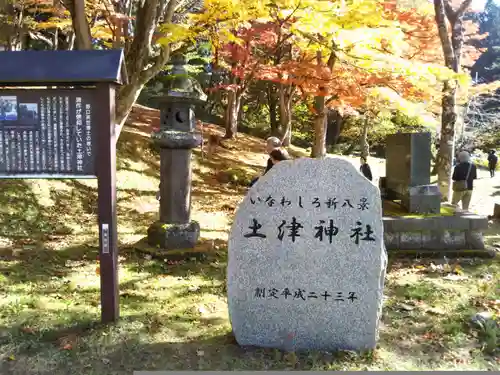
(463, 7)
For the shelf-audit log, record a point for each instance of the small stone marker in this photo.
(306, 259)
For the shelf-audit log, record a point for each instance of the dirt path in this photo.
(486, 189)
(486, 193)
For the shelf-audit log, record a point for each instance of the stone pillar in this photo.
(176, 138)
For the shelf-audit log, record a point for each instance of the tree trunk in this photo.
(286, 140)
(286, 96)
(319, 146)
(273, 119)
(363, 142)
(71, 41)
(81, 27)
(125, 99)
(452, 49)
(232, 112)
(273, 110)
(335, 124)
(56, 39)
(13, 33)
(142, 60)
(444, 159)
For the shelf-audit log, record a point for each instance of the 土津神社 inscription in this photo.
(46, 132)
(293, 228)
(307, 260)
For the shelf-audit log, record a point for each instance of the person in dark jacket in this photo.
(492, 162)
(365, 169)
(464, 171)
(276, 156)
(272, 143)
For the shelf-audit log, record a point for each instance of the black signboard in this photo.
(47, 133)
(62, 128)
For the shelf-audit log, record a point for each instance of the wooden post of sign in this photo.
(106, 181)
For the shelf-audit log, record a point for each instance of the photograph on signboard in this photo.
(8, 108)
(28, 113)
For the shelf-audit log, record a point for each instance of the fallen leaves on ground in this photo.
(405, 307)
(68, 342)
(28, 330)
(452, 277)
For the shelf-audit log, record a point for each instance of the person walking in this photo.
(463, 178)
(365, 169)
(492, 162)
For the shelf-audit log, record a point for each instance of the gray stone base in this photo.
(173, 236)
(199, 253)
(405, 254)
(424, 199)
(442, 233)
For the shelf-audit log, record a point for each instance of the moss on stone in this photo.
(393, 209)
(174, 254)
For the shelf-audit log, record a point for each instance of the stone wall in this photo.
(464, 232)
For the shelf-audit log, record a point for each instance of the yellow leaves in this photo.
(388, 99)
(227, 36)
(60, 16)
(52, 23)
(362, 12)
(102, 32)
(221, 12)
(370, 39)
(463, 79)
(174, 33)
(364, 40)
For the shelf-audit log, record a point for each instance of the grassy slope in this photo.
(174, 316)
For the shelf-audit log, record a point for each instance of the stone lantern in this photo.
(176, 138)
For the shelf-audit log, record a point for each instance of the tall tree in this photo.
(452, 40)
(243, 60)
(145, 29)
(346, 50)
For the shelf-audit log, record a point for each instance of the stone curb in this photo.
(439, 223)
(434, 240)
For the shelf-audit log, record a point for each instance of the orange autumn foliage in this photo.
(254, 56)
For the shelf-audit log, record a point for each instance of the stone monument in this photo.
(176, 138)
(307, 261)
(408, 173)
